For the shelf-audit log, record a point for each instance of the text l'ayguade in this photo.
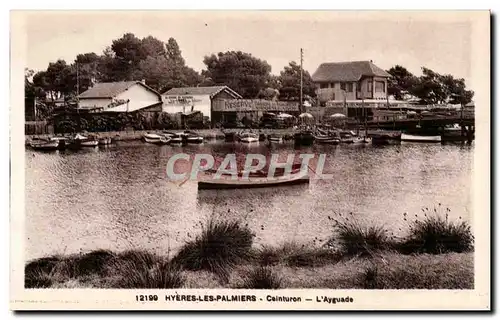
(241, 298)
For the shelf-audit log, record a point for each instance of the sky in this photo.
(442, 43)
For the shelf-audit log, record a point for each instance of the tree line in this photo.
(430, 88)
(163, 67)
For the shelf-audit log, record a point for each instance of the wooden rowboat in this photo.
(89, 143)
(417, 138)
(327, 139)
(228, 183)
(43, 145)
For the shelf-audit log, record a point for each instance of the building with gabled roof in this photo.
(122, 96)
(189, 99)
(352, 80)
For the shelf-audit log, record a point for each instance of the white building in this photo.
(188, 99)
(123, 96)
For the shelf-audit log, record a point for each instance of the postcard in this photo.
(250, 160)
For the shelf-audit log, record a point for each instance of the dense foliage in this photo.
(430, 88)
(163, 67)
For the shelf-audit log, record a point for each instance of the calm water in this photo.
(119, 198)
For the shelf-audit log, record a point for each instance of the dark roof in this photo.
(110, 89)
(347, 71)
(211, 91)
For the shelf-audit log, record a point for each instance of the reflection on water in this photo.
(118, 197)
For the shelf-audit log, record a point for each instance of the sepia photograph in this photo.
(250, 159)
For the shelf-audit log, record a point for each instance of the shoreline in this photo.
(207, 134)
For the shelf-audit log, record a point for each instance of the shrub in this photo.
(218, 249)
(262, 278)
(435, 234)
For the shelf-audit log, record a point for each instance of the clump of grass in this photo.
(356, 238)
(93, 262)
(39, 272)
(221, 245)
(41, 265)
(370, 277)
(436, 234)
(262, 278)
(420, 272)
(37, 279)
(142, 269)
(162, 275)
(135, 258)
(296, 255)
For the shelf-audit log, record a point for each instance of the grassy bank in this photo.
(435, 254)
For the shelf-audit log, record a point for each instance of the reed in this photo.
(353, 237)
(436, 234)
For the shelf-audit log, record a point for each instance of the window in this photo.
(358, 86)
(342, 85)
(370, 86)
(323, 86)
(379, 86)
(349, 87)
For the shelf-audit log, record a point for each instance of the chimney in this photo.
(371, 61)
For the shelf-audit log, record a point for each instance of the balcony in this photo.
(364, 95)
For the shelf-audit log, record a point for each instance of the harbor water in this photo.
(118, 197)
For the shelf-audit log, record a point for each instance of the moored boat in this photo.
(304, 138)
(275, 138)
(192, 137)
(248, 137)
(385, 138)
(361, 140)
(256, 179)
(155, 138)
(230, 136)
(89, 143)
(80, 140)
(346, 137)
(419, 138)
(63, 142)
(323, 139)
(44, 145)
(178, 138)
(253, 182)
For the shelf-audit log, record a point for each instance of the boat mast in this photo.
(301, 81)
(77, 87)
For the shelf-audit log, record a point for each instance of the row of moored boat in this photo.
(73, 142)
(172, 138)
